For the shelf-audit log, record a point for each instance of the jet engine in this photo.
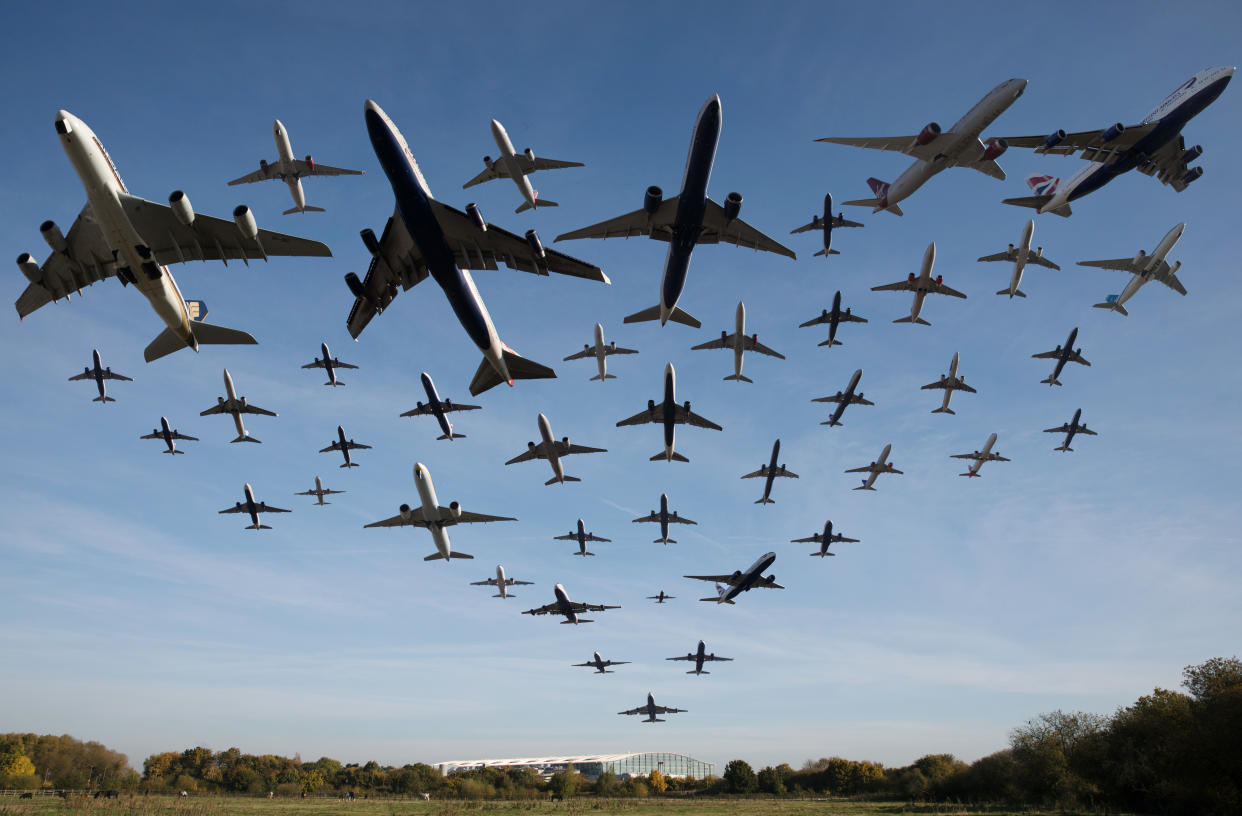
(1192, 154)
(454, 510)
(939, 279)
(242, 400)
(995, 148)
(530, 154)
(263, 166)
(771, 579)
(310, 164)
(370, 241)
(472, 210)
(405, 512)
(180, 203)
(565, 441)
(448, 404)
(54, 237)
(737, 574)
(732, 205)
(650, 403)
(653, 199)
(355, 285)
(245, 221)
(686, 405)
(29, 268)
(487, 162)
(1112, 132)
(536, 245)
(1054, 138)
(927, 134)
(418, 406)
(530, 446)
(1192, 174)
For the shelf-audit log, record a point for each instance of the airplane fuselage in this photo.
(328, 364)
(1023, 253)
(285, 162)
(601, 355)
(231, 399)
(748, 578)
(771, 472)
(670, 410)
(437, 408)
(952, 378)
(1152, 264)
(554, 459)
(847, 396)
(97, 372)
(431, 510)
(825, 541)
(981, 457)
(562, 600)
(508, 158)
(739, 339)
(319, 491)
(340, 440)
(166, 433)
(835, 318)
(924, 282)
(251, 506)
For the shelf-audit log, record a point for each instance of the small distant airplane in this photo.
(236, 406)
(669, 414)
(1144, 268)
(582, 537)
(501, 583)
(740, 344)
(1020, 256)
(169, 435)
(345, 446)
(600, 664)
(434, 517)
(881, 465)
(515, 165)
(700, 656)
(949, 384)
(1063, 355)
(921, 286)
(98, 373)
(548, 448)
(570, 609)
(291, 170)
(650, 710)
(437, 408)
(329, 364)
(319, 491)
(664, 518)
(685, 220)
(844, 400)
(979, 457)
(253, 508)
(769, 472)
(661, 598)
(740, 582)
(600, 352)
(934, 150)
(1070, 429)
(826, 225)
(833, 318)
(824, 540)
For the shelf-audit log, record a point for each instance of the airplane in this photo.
(824, 540)
(740, 582)
(570, 609)
(329, 364)
(548, 448)
(881, 465)
(664, 518)
(979, 457)
(515, 165)
(1063, 356)
(236, 406)
(425, 237)
(434, 517)
(844, 400)
(501, 583)
(949, 384)
(933, 150)
(600, 352)
(1020, 256)
(684, 221)
(582, 537)
(669, 414)
(650, 710)
(600, 664)
(134, 239)
(833, 319)
(169, 435)
(344, 446)
(1155, 147)
(739, 343)
(253, 508)
(319, 491)
(921, 286)
(661, 598)
(438, 408)
(291, 170)
(1144, 268)
(769, 472)
(98, 373)
(699, 657)
(1070, 429)
(826, 225)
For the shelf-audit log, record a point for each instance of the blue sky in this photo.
(135, 615)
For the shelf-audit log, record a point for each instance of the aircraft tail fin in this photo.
(821, 253)
(103, 399)
(1017, 292)
(305, 209)
(1111, 303)
(739, 378)
(676, 457)
(604, 377)
(909, 319)
(831, 343)
(245, 438)
(539, 202)
(556, 479)
(520, 368)
(454, 436)
(1051, 381)
(677, 316)
(943, 410)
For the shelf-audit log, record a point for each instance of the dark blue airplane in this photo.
(98, 373)
(1070, 429)
(438, 408)
(768, 473)
(824, 540)
(844, 400)
(826, 225)
(1063, 355)
(669, 414)
(834, 319)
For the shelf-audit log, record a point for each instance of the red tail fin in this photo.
(878, 188)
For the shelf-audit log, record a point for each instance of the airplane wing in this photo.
(516, 582)
(762, 471)
(540, 163)
(497, 170)
(941, 289)
(1120, 264)
(303, 168)
(855, 399)
(1090, 142)
(899, 286)
(156, 435)
(652, 517)
(317, 364)
(714, 658)
(565, 450)
(264, 508)
(1075, 357)
(718, 579)
(446, 407)
(85, 375)
(468, 517)
(582, 355)
(1168, 164)
(218, 408)
(608, 350)
(1047, 355)
(664, 710)
(643, 417)
(397, 263)
(718, 343)
(179, 435)
(589, 607)
(766, 583)
(539, 451)
(237, 508)
(546, 609)
(844, 539)
(865, 469)
(1063, 429)
(813, 538)
(259, 175)
(593, 537)
(112, 375)
(1040, 260)
(687, 657)
(1007, 255)
(1083, 430)
(657, 225)
(680, 520)
(816, 225)
(717, 227)
(488, 582)
(683, 416)
(974, 456)
(339, 364)
(86, 259)
(254, 409)
(639, 710)
(335, 446)
(415, 519)
(899, 144)
(996, 457)
(751, 344)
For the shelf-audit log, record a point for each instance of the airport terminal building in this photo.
(592, 765)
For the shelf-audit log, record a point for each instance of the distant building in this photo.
(592, 765)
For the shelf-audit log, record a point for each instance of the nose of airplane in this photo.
(420, 471)
(65, 122)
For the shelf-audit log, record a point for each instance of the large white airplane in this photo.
(933, 150)
(1144, 268)
(291, 170)
(739, 343)
(669, 414)
(169, 435)
(434, 517)
(501, 583)
(698, 657)
(949, 383)
(1020, 256)
(570, 609)
(650, 710)
(98, 372)
(515, 165)
(253, 508)
(921, 286)
(873, 470)
(600, 352)
(134, 239)
(552, 450)
(980, 456)
(1154, 147)
(730, 586)
(600, 664)
(236, 406)
(319, 491)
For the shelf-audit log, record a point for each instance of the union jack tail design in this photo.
(1043, 185)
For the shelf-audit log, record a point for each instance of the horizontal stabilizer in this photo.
(692, 671)
(1036, 202)
(580, 620)
(539, 202)
(520, 368)
(306, 209)
(677, 316)
(821, 253)
(943, 411)
(1051, 381)
(765, 500)
(103, 399)
(257, 527)
(715, 598)
(1017, 292)
(246, 438)
(174, 450)
(507, 595)
(166, 342)
(1112, 305)
(663, 541)
(739, 378)
(1063, 448)
(446, 436)
(864, 487)
(556, 479)
(604, 377)
(831, 343)
(831, 422)
(583, 552)
(908, 319)
(822, 554)
(338, 382)
(874, 204)
(348, 464)
(676, 457)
